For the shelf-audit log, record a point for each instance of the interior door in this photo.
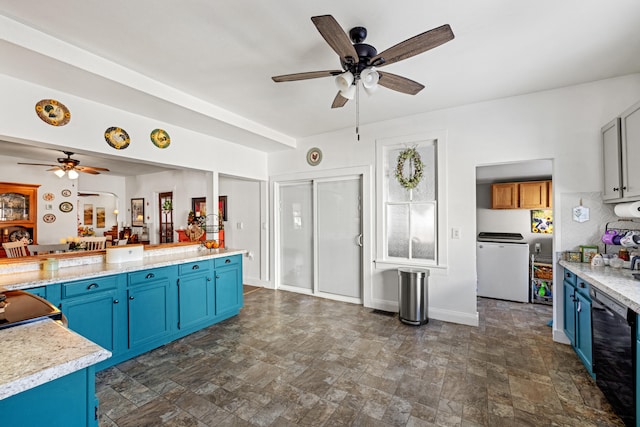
(339, 237)
(296, 235)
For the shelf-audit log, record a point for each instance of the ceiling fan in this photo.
(360, 60)
(69, 166)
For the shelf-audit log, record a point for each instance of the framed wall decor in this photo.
(137, 212)
(88, 214)
(222, 206)
(199, 206)
(100, 217)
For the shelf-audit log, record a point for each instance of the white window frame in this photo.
(383, 173)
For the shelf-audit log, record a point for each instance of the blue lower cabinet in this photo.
(150, 307)
(196, 300)
(40, 291)
(95, 310)
(577, 317)
(569, 311)
(67, 401)
(228, 284)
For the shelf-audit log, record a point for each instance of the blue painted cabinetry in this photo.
(150, 299)
(228, 283)
(577, 317)
(196, 294)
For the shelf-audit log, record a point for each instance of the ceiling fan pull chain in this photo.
(357, 109)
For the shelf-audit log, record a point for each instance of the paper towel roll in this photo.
(628, 210)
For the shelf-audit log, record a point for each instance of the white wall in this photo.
(243, 226)
(564, 124)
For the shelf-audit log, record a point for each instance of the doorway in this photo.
(165, 207)
(320, 237)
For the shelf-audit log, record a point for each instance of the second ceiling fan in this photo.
(360, 60)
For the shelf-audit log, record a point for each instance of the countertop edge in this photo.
(616, 282)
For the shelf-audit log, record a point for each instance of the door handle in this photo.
(579, 307)
(359, 240)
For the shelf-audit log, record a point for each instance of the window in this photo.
(408, 217)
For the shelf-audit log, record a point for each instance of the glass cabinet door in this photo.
(14, 207)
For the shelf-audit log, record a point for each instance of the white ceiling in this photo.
(208, 65)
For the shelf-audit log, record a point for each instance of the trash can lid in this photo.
(411, 270)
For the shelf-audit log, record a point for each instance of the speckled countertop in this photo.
(35, 353)
(617, 282)
(10, 279)
(38, 352)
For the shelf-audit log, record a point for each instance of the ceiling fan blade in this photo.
(84, 168)
(339, 101)
(415, 45)
(335, 36)
(37, 164)
(306, 76)
(399, 83)
(54, 168)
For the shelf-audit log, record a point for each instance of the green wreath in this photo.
(413, 179)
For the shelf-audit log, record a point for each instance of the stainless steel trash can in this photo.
(413, 296)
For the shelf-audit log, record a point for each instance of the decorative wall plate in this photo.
(53, 112)
(66, 193)
(48, 197)
(160, 138)
(314, 156)
(66, 207)
(49, 218)
(118, 138)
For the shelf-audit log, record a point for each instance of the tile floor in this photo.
(290, 360)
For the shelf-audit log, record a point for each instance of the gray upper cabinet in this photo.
(621, 154)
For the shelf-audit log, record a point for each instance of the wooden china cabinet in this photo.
(18, 212)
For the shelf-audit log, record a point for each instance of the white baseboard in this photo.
(560, 336)
(256, 282)
(434, 313)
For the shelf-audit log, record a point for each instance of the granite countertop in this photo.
(38, 352)
(12, 280)
(616, 282)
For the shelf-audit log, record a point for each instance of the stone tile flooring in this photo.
(291, 359)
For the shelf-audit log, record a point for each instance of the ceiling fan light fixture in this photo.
(72, 174)
(349, 93)
(369, 77)
(59, 173)
(344, 81)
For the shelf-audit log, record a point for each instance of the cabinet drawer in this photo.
(146, 276)
(86, 287)
(194, 267)
(224, 261)
(583, 288)
(570, 277)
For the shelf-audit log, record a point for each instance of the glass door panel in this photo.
(296, 235)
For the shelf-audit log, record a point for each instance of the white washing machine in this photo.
(503, 266)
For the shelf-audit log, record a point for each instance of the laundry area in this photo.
(514, 246)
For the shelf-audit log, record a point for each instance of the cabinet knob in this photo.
(616, 189)
(115, 301)
(208, 279)
(195, 267)
(567, 275)
(581, 285)
(131, 297)
(624, 188)
(217, 277)
(227, 261)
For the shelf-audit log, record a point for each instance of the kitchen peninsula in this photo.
(118, 309)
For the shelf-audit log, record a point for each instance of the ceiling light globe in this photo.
(369, 77)
(350, 93)
(72, 174)
(59, 173)
(344, 81)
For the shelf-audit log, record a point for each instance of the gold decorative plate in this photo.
(66, 192)
(53, 112)
(66, 207)
(118, 138)
(48, 197)
(160, 138)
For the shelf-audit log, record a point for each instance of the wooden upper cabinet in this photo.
(504, 196)
(521, 195)
(18, 211)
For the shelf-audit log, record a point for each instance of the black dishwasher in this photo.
(614, 337)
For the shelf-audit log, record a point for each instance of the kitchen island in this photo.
(113, 309)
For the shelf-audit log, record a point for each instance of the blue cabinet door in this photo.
(96, 318)
(569, 311)
(584, 346)
(228, 290)
(195, 300)
(149, 312)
